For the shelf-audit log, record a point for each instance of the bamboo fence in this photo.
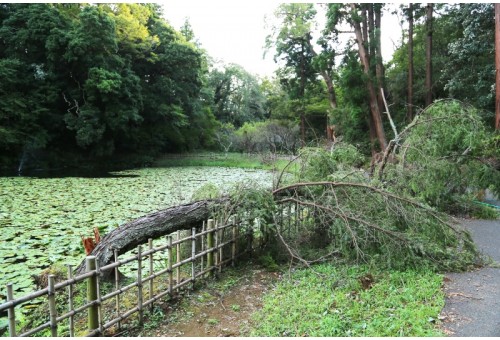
(212, 248)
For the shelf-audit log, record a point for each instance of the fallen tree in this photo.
(129, 235)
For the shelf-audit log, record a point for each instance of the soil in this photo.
(216, 310)
(473, 298)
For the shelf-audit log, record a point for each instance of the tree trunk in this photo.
(428, 57)
(497, 66)
(410, 63)
(129, 235)
(302, 92)
(374, 108)
(379, 64)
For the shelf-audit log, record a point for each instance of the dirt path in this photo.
(473, 298)
(223, 308)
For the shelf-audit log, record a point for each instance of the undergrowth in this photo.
(328, 300)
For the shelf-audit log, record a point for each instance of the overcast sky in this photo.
(234, 31)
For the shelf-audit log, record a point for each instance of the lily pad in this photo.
(43, 219)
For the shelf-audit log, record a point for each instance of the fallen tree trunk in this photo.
(129, 235)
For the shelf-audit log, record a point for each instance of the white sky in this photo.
(234, 31)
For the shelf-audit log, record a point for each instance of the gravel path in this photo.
(473, 298)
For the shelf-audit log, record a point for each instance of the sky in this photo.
(235, 32)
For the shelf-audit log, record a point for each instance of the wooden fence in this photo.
(210, 249)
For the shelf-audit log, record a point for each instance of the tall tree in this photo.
(292, 37)
(292, 40)
(428, 53)
(356, 16)
(410, 63)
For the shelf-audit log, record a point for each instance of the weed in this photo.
(394, 304)
(236, 308)
(212, 322)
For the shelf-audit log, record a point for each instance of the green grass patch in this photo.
(230, 160)
(352, 301)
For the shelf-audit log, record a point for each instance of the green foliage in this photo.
(267, 136)
(446, 157)
(338, 211)
(469, 72)
(317, 164)
(351, 116)
(268, 262)
(94, 81)
(463, 50)
(330, 300)
(235, 94)
(207, 191)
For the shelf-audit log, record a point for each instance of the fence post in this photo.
(210, 244)
(202, 246)
(11, 311)
(235, 240)
(70, 303)
(220, 241)
(217, 243)
(170, 274)
(139, 285)
(178, 259)
(193, 255)
(117, 286)
(52, 305)
(151, 269)
(289, 218)
(93, 315)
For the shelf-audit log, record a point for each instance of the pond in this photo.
(42, 220)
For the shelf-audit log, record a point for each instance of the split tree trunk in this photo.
(134, 233)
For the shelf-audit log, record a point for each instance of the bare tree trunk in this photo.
(129, 235)
(497, 66)
(428, 56)
(374, 108)
(379, 65)
(410, 64)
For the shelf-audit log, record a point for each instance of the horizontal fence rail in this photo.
(183, 260)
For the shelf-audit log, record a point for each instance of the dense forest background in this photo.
(83, 83)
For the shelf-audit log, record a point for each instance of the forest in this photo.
(362, 162)
(86, 83)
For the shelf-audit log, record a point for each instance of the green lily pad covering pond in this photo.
(42, 219)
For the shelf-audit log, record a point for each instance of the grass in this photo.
(231, 160)
(335, 303)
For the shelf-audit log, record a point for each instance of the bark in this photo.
(410, 63)
(129, 235)
(365, 60)
(497, 66)
(379, 66)
(428, 57)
